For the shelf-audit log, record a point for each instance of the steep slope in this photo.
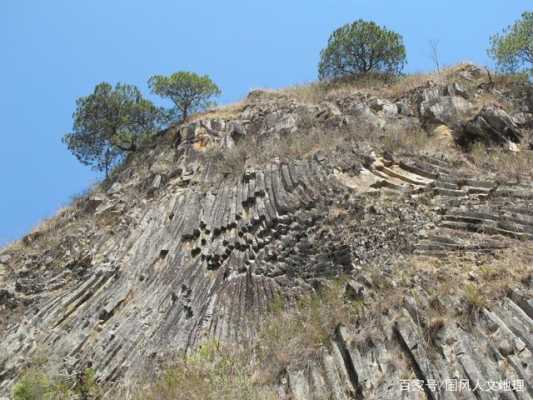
(197, 235)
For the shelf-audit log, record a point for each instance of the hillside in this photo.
(361, 234)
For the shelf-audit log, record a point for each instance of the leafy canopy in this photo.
(362, 47)
(110, 122)
(513, 48)
(190, 92)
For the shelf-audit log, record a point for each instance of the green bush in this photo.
(213, 372)
(35, 384)
(362, 48)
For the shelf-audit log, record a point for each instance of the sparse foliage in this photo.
(434, 45)
(110, 122)
(513, 48)
(362, 48)
(188, 91)
(212, 372)
(35, 384)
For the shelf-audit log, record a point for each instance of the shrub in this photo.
(35, 384)
(212, 372)
(475, 299)
(188, 91)
(513, 48)
(362, 48)
(32, 385)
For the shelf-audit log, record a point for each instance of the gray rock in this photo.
(156, 182)
(448, 110)
(115, 188)
(384, 106)
(158, 271)
(492, 126)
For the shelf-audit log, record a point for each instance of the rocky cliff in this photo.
(195, 236)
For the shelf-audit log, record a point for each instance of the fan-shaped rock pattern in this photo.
(174, 252)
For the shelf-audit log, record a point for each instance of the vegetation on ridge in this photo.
(361, 48)
(110, 122)
(513, 48)
(188, 91)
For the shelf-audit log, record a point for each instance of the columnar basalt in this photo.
(173, 251)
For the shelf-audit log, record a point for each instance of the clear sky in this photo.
(54, 51)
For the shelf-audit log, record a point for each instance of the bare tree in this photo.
(434, 45)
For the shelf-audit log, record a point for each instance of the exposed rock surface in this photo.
(492, 126)
(176, 251)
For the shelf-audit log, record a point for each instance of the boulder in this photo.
(156, 183)
(491, 126)
(523, 120)
(115, 188)
(470, 72)
(164, 164)
(384, 106)
(448, 110)
(7, 298)
(5, 258)
(94, 201)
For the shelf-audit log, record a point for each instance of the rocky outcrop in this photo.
(444, 105)
(491, 126)
(175, 251)
(399, 359)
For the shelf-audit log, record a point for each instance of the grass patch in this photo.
(291, 335)
(36, 384)
(260, 152)
(213, 372)
(503, 163)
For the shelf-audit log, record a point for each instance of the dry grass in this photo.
(289, 336)
(222, 112)
(294, 335)
(477, 279)
(414, 140)
(310, 93)
(254, 151)
(378, 85)
(259, 152)
(504, 164)
(213, 372)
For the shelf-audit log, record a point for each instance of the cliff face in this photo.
(195, 237)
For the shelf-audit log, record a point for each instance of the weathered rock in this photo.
(384, 106)
(446, 110)
(7, 298)
(492, 126)
(177, 253)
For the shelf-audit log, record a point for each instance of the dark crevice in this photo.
(418, 371)
(348, 364)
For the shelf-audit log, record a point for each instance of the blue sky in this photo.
(57, 50)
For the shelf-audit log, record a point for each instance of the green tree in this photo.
(109, 123)
(362, 47)
(513, 48)
(188, 91)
